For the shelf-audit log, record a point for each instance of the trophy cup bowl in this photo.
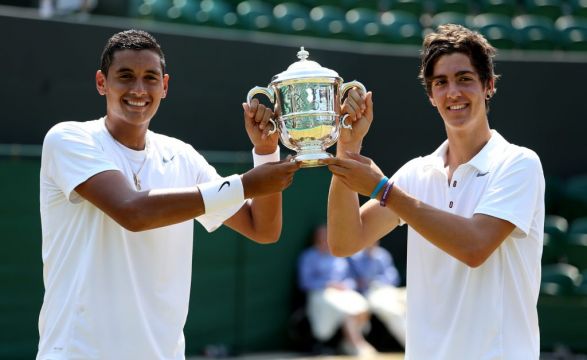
(307, 100)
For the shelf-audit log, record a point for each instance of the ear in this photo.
(165, 85)
(431, 99)
(490, 90)
(100, 82)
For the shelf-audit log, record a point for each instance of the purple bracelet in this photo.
(386, 192)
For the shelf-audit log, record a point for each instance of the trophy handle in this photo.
(270, 94)
(343, 89)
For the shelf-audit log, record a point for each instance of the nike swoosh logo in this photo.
(168, 160)
(482, 174)
(224, 183)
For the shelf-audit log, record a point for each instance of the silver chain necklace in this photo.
(135, 175)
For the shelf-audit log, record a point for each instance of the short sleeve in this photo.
(515, 190)
(71, 155)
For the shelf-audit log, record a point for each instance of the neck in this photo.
(463, 145)
(133, 137)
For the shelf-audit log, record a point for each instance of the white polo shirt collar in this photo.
(481, 161)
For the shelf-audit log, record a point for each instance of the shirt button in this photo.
(450, 204)
(454, 183)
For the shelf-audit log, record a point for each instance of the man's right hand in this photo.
(359, 108)
(269, 178)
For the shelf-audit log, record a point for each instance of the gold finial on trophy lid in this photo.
(303, 54)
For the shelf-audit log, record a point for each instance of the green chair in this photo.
(535, 32)
(183, 11)
(330, 21)
(497, 28)
(343, 4)
(255, 15)
(559, 279)
(576, 250)
(401, 27)
(460, 6)
(414, 7)
(572, 32)
(578, 8)
(218, 13)
(556, 226)
(364, 24)
(582, 288)
(549, 8)
(505, 7)
(450, 17)
(574, 201)
(552, 250)
(578, 226)
(292, 18)
(154, 9)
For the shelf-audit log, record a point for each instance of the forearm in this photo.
(343, 220)
(157, 208)
(266, 218)
(470, 240)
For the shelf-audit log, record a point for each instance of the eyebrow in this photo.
(458, 73)
(153, 72)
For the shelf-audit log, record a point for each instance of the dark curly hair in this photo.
(449, 39)
(129, 40)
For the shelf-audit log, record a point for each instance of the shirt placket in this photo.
(454, 189)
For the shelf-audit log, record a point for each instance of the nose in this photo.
(453, 90)
(138, 88)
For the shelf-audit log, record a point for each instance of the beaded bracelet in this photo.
(386, 192)
(379, 186)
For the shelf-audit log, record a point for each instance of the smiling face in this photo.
(458, 92)
(134, 86)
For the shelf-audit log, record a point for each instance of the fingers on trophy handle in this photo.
(270, 95)
(351, 84)
(344, 124)
(343, 89)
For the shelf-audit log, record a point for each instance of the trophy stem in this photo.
(311, 158)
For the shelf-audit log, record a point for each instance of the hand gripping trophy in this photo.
(308, 102)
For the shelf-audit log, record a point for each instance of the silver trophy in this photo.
(308, 106)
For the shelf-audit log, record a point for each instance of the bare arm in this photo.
(470, 240)
(260, 219)
(351, 227)
(140, 210)
(144, 210)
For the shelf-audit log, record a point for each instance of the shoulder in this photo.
(72, 127)
(520, 157)
(70, 131)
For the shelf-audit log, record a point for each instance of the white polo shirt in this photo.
(112, 294)
(456, 312)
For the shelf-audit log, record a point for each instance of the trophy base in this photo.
(311, 159)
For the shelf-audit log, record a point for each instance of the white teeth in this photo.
(136, 103)
(457, 107)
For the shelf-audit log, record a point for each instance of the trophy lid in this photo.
(304, 68)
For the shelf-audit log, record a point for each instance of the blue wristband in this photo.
(382, 182)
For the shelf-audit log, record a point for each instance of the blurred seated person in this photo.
(378, 280)
(332, 299)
